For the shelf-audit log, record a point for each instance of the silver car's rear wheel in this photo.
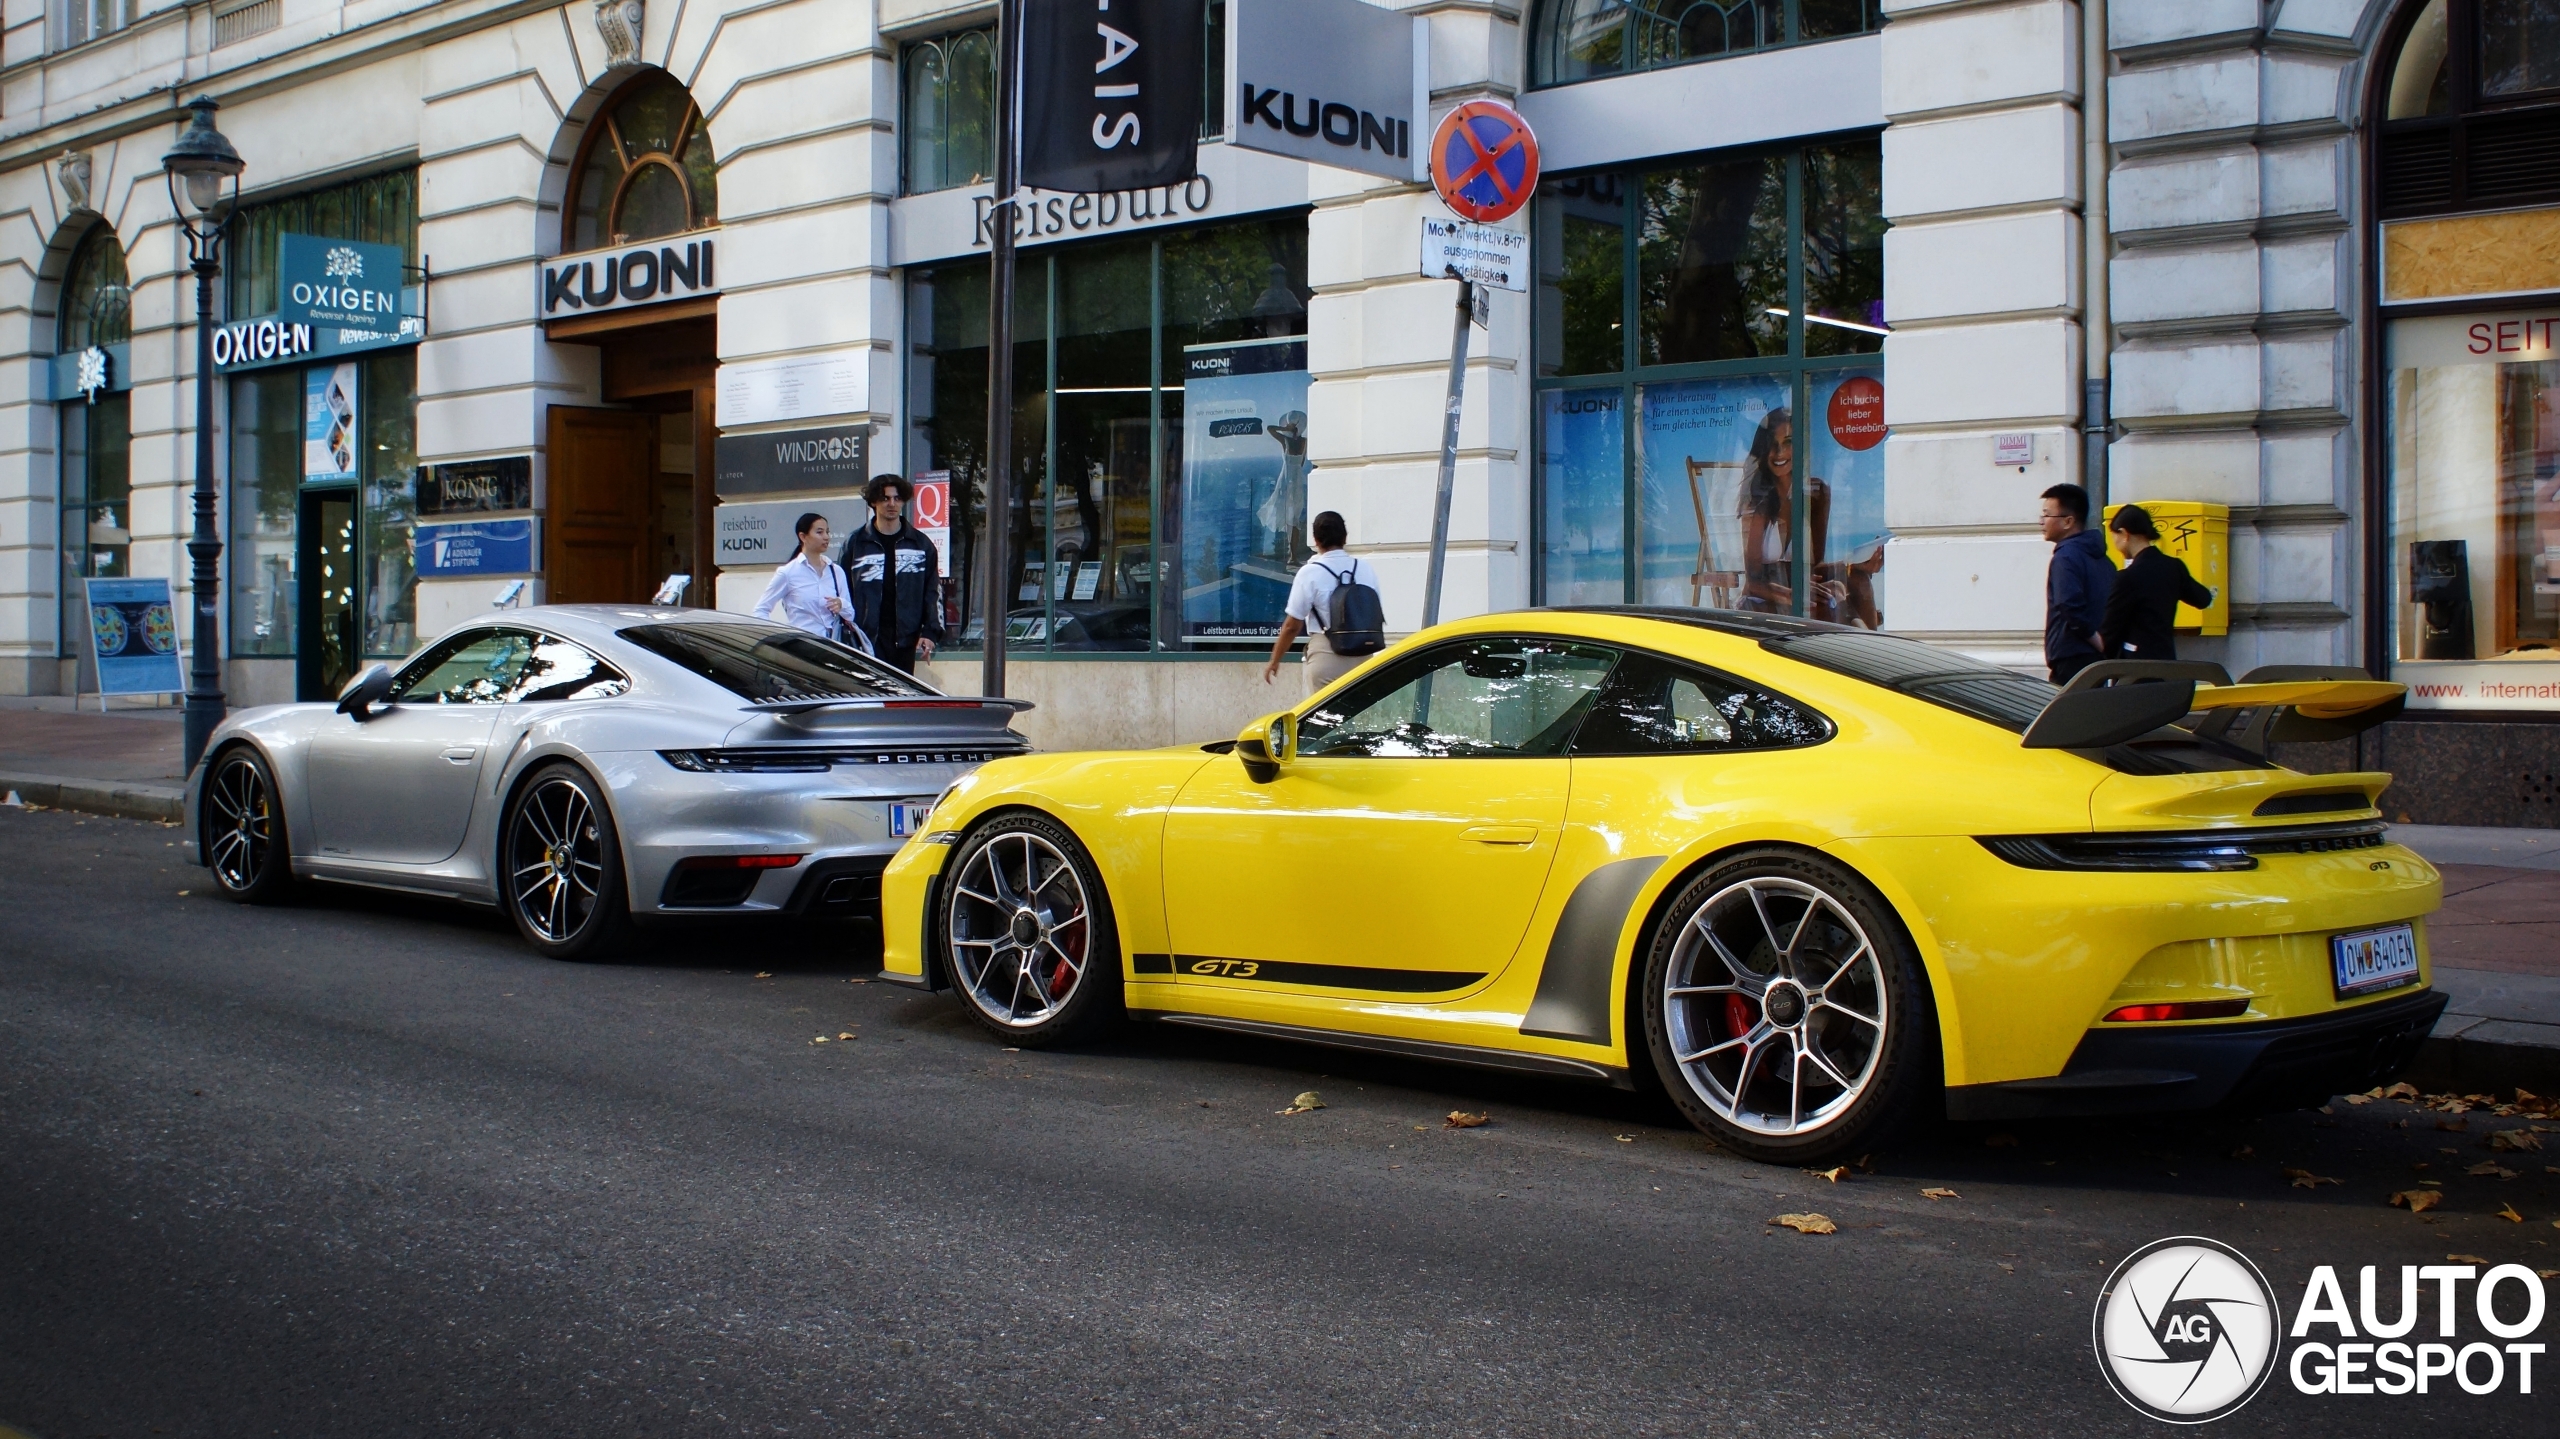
(563, 866)
(1787, 1013)
(1028, 932)
(243, 830)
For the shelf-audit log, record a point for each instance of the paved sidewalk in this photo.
(123, 762)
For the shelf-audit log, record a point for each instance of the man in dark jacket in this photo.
(2075, 585)
(896, 576)
(2142, 608)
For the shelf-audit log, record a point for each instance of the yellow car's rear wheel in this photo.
(1027, 929)
(1785, 1008)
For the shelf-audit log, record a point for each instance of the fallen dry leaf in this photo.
(847, 1034)
(2464, 1259)
(2491, 1166)
(2548, 1273)
(2305, 1179)
(1835, 1173)
(2508, 1213)
(2453, 1126)
(1940, 1194)
(1306, 1101)
(857, 981)
(1624, 1138)
(2361, 1098)
(1999, 1141)
(1460, 1119)
(764, 974)
(2515, 1139)
(1808, 1223)
(1866, 1163)
(821, 1039)
(2402, 1090)
(2416, 1201)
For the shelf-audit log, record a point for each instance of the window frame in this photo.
(1830, 727)
(600, 126)
(2466, 106)
(1407, 668)
(1544, 36)
(1632, 376)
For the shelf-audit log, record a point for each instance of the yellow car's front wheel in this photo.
(1785, 1008)
(1027, 929)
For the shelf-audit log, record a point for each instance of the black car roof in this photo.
(1747, 624)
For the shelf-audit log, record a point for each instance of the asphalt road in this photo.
(364, 1166)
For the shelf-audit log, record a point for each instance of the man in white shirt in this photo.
(811, 588)
(1311, 604)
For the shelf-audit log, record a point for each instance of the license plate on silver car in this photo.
(906, 817)
(2374, 960)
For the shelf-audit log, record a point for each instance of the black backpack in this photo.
(1355, 619)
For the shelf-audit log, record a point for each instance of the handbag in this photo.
(847, 632)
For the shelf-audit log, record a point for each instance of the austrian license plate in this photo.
(2373, 960)
(908, 816)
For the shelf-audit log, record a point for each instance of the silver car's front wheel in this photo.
(1028, 932)
(242, 838)
(1779, 996)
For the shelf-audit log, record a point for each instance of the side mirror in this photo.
(363, 692)
(1265, 743)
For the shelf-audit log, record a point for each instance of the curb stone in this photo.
(165, 803)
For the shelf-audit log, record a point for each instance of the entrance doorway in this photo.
(629, 497)
(328, 642)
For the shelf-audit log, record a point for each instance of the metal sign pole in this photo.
(1449, 450)
(999, 513)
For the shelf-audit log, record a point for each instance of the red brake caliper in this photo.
(1059, 981)
(1737, 1013)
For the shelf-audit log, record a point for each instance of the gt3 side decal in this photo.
(1573, 989)
(1322, 976)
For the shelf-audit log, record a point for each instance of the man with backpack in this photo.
(1334, 599)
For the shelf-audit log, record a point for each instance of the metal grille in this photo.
(240, 21)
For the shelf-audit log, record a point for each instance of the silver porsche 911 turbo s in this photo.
(581, 765)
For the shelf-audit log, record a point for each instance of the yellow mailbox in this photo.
(2200, 535)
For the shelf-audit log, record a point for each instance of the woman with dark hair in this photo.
(1768, 523)
(811, 589)
(2140, 621)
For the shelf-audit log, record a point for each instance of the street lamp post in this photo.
(199, 163)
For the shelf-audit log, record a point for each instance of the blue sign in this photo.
(338, 284)
(483, 547)
(133, 632)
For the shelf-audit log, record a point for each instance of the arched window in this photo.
(646, 170)
(1587, 39)
(951, 106)
(2470, 104)
(97, 303)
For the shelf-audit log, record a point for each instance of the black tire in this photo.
(1782, 957)
(240, 828)
(560, 866)
(1027, 934)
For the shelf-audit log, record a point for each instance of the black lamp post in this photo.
(200, 162)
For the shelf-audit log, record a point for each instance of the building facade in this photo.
(1825, 292)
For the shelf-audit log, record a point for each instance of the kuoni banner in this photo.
(1244, 485)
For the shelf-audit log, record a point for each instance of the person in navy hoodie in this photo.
(2076, 584)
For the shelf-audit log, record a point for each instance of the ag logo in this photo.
(2186, 1330)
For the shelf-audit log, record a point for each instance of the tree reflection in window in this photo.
(97, 301)
(647, 170)
(1488, 699)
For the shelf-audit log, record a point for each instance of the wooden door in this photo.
(603, 478)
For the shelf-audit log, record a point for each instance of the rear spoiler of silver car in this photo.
(891, 702)
(2120, 700)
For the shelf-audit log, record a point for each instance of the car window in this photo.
(559, 670)
(1493, 698)
(1653, 705)
(476, 667)
(772, 662)
(506, 666)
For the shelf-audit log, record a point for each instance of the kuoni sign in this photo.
(339, 284)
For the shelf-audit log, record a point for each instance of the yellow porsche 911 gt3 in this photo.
(1809, 877)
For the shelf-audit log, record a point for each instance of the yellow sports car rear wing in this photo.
(2121, 700)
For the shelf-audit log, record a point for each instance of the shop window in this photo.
(82, 21)
(2473, 437)
(1676, 413)
(378, 209)
(96, 513)
(2470, 107)
(1129, 531)
(645, 170)
(1589, 39)
(266, 493)
(947, 121)
(389, 558)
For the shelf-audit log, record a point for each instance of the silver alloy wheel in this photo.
(1019, 929)
(555, 856)
(242, 832)
(1775, 1005)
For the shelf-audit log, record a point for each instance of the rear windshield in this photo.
(772, 662)
(1925, 672)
